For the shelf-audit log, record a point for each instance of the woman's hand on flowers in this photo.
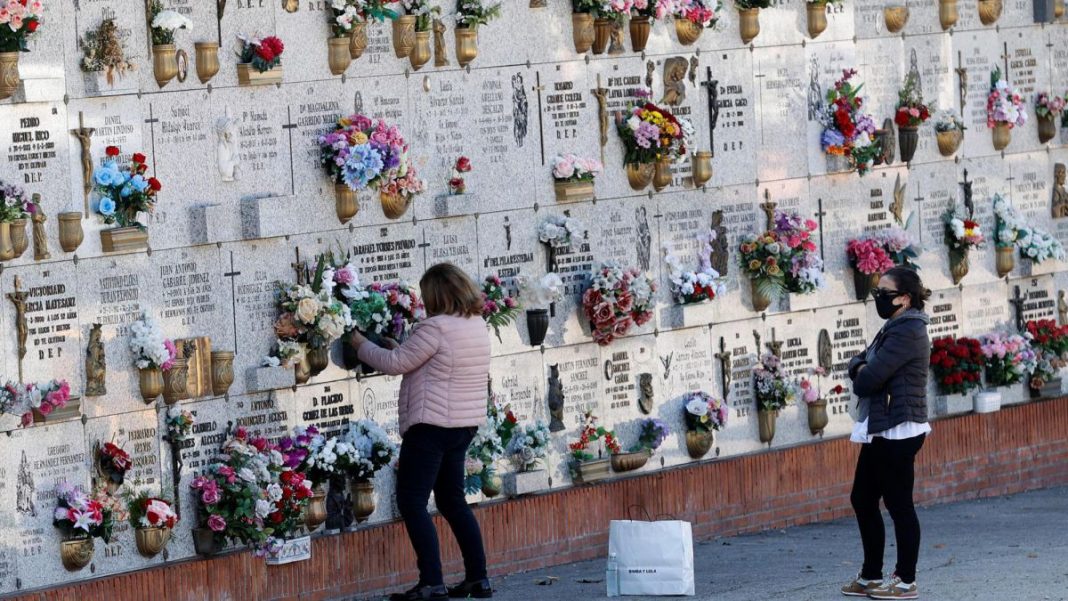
(389, 343)
(357, 339)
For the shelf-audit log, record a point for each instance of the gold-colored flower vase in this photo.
(150, 541)
(628, 462)
(639, 32)
(1058, 9)
(817, 416)
(698, 444)
(582, 32)
(393, 205)
(176, 382)
(207, 57)
(345, 202)
(302, 370)
(947, 13)
(817, 18)
(1047, 130)
(338, 56)
(420, 54)
(315, 513)
(121, 239)
(222, 372)
(958, 265)
(150, 381)
(363, 499)
(76, 554)
(687, 31)
(748, 24)
(640, 175)
(1005, 260)
(318, 359)
(989, 11)
(9, 74)
(7, 247)
(573, 191)
(466, 45)
(602, 34)
(895, 17)
(948, 142)
(492, 485)
(766, 424)
(761, 301)
(1001, 135)
(358, 39)
(164, 63)
(19, 240)
(701, 168)
(403, 35)
(70, 231)
(662, 174)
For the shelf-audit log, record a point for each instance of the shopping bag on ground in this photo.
(651, 558)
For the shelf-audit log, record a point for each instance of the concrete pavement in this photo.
(1003, 549)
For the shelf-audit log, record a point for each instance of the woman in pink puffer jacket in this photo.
(445, 364)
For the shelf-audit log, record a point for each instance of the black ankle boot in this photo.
(479, 589)
(422, 592)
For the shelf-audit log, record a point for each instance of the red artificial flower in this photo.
(139, 158)
(463, 164)
(902, 117)
(154, 184)
(264, 53)
(837, 389)
(112, 151)
(260, 444)
(31, 26)
(276, 517)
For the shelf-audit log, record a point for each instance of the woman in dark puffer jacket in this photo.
(890, 379)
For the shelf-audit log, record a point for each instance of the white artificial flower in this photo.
(171, 21)
(697, 407)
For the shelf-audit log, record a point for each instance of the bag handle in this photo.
(630, 515)
(668, 516)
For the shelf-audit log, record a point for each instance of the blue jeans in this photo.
(432, 458)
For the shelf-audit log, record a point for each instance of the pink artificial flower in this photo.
(217, 523)
(602, 313)
(622, 326)
(211, 496)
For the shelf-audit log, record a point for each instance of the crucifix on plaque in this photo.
(1017, 303)
(299, 267)
(820, 214)
(769, 209)
(968, 203)
(724, 357)
(962, 79)
(18, 298)
(84, 135)
(775, 346)
(711, 87)
(602, 112)
(756, 337)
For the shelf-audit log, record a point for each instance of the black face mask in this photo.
(885, 306)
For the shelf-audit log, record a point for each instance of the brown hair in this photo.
(448, 290)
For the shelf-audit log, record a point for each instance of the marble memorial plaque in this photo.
(53, 332)
(986, 307)
(781, 95)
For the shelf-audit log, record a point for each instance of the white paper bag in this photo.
(653, 558)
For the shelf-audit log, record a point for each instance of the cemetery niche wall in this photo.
(211, 114)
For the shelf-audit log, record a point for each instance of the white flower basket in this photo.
(293, 549)
(988, 401)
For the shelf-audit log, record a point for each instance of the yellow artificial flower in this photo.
(754, 265)
(344, 122)
(359, 138)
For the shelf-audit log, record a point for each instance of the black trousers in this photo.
(432, 458)
(885, 471)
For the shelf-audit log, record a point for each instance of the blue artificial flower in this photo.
(362, 165)
(139, 183)
(106, 175)
(127, 190)
(831, 137)
(106, 207)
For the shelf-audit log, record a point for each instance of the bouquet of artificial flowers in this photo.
(704, 412)
(123, 192)
(616, 300)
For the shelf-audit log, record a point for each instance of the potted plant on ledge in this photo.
(651, 435)
(693, 17)
(81, 518)
(949, 132)
(373, 451)
(1050, 342)
(1048, 109)
(14, 39)
(538, 296)
(772, 391)
(910, 115)
(1004, 110)
(153, 520)
(528, 450)
(260, 61)
(469, 15)
(122, 195)
(1007, 360)
(573, 177)
(703, 414)
(587, 467)
(957, 364)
